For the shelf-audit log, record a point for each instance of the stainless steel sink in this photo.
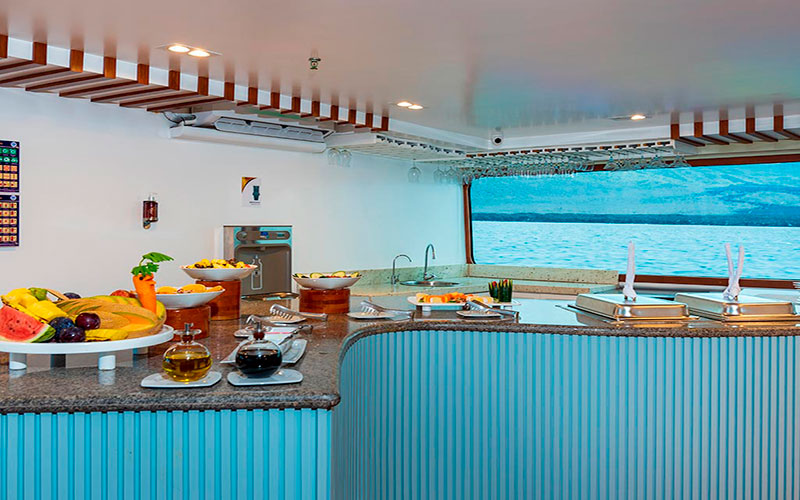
(432, 284)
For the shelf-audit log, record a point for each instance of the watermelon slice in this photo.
(16, 326)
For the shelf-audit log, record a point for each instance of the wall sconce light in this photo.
(149, 210)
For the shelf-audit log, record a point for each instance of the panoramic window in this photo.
(679, 219)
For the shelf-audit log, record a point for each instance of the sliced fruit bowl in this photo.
(334, 281)
(219, 274)
(184, 300)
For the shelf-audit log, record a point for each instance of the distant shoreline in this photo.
(765, 220)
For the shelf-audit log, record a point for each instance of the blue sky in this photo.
(724, 190)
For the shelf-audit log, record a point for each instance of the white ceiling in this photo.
(530, 67)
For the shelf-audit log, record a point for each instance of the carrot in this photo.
(146, 291)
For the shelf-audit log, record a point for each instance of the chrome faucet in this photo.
(425, 275)
(395, 278)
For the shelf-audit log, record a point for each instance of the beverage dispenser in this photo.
(269, 248)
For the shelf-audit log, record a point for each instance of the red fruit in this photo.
(121, 293)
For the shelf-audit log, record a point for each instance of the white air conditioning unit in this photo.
(228, 127)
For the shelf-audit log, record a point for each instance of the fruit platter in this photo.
(193, 295)
(218, 270)
(454, 301)
(33, 323)
(331, 281)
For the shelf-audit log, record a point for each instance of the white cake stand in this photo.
(106, 359)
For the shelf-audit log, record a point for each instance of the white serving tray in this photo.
(282, 376)
(107, 360)
(160, 381)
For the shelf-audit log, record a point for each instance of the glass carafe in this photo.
(187, 360)
(259, 357)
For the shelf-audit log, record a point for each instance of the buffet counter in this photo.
(549, 402)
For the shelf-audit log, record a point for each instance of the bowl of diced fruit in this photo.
(218, 270)
(193, 295)
(329, 281)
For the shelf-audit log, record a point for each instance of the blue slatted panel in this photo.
(511, 415)
(129, 456)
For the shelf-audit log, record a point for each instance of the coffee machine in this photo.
(269, 248)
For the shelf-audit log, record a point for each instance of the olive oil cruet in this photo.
(188, 360)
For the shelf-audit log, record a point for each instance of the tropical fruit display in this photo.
(27, 315)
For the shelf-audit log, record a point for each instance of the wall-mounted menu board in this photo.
(9, 220)
(9, 166)
(9, 203)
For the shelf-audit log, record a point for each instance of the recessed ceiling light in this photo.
(415, 106)
(404, 104)
(638, 117)
(180, 49)
(199, 53)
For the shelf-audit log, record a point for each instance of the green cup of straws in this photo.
(501, 291)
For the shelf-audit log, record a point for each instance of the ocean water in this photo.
(770, 252)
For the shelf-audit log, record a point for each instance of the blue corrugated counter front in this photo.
(474, 414)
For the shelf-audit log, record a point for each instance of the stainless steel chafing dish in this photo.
(746, 308)
(616, 307)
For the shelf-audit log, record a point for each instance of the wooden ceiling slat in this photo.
(230, 91)
(185, 103)
(97, 89)
(131, 93)
(33, 77)
(76, 61)
(39, 53)
(63, 82)
(698, 131)
(152, 100)
(17, 66)
(3, 46)
(777, 123)
(202, 85)
(109, 67)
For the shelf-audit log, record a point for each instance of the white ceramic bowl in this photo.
(221, 274)
(326, 283)
(183, 300)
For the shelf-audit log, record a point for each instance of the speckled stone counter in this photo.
(87, 389)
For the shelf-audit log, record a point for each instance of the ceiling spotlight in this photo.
(638, 117)
(199, 53)
(404, 104)
(415, 106)
(180, 49)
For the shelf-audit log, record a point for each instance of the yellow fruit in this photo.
(27, 300)
(167, 290)
(46, 310)
(194, 288)
(102, 334)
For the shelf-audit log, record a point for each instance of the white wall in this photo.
(86, 167)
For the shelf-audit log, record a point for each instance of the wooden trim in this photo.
(724, 129)
(777, 123)
(30, 77)
(710, 281)
(97, 89)
(745, 160)
(675, 132)
(252, 96)
(143, 74)
(750, 126)
(351, 116)
(3, 46)
(63, 82)
(39, 53)
(466, 193)
(315, 112)
(109, 67)
(174, 96)
(198, 100)
(230, 91)
(131, 93)
(76, 61)
(202, 85)
(369, 120)
(275, 100)
(174, 80)
(15, 67)
(384, 123)
(698, 131)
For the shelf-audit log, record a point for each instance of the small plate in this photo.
(478, 314)
(282, 376)
(368, 316)
(295, 351)
(160, 381)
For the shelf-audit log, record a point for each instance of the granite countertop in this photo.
(85, 389)
(468, 284)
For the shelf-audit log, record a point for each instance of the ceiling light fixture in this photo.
(415, 106)
(199, 53)
(404, 104)
(180, 49)
(638, 116)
